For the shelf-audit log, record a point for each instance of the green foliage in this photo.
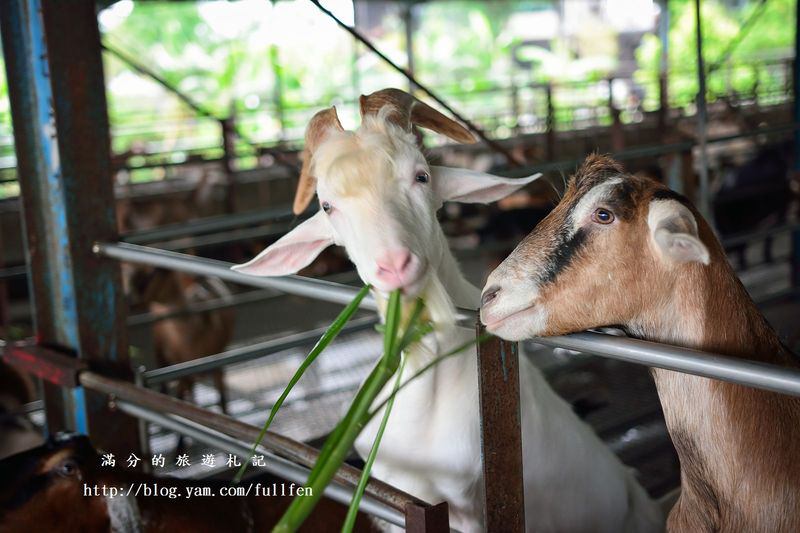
(768, 38)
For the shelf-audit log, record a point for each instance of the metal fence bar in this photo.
(279, 466)
(733, 370)
(759, 375)
(246, 353)
(209, 225)
(298, 285)
(501, 435)
(746, 238)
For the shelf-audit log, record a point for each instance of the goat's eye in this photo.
(603, 216)
(422, 177)
(68, 468)
(326, 206)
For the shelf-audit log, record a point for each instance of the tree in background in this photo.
(770, 37)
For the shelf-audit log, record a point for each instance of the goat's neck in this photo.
(462, 293)
(708, 309)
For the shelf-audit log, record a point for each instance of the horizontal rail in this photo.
(745, 238)
(146, 318)
(209, 225)
(652, 150)
(275, 443)
(246, 353)
(273, 464)
(297, 285)
(733, 370)
(743, 372)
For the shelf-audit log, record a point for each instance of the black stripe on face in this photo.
(668, 194)
(565, 250)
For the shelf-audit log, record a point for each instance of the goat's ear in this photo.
(293, 251)
(673, 229)
(469, 186)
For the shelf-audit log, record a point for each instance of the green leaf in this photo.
(480, 340)
(318, 348)
(344, 435)
(352, 511)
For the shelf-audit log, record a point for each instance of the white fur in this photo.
(431, 448)
(673, 229)
(587, 204)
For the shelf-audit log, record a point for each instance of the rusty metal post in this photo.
(501, 435)
(427, 518)
(663, 102)
(703, 199)
(228, 158)
(409, 25)
(550, 124)
(58, 106)
(515, 107)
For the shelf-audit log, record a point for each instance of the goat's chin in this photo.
(524, 324)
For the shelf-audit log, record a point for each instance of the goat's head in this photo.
(609, 251)
(378, 195)
(42, 487)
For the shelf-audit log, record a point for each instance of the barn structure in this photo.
(63, 247)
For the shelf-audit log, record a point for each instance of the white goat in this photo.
(379, 199)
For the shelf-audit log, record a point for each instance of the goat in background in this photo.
(186, 334)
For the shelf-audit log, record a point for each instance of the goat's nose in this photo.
(489, 295)
(396, 266)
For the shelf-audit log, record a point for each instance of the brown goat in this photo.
(194, 334)
(189, 335)
(624, 250)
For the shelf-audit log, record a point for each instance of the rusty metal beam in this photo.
(501, 436)
(46, 364)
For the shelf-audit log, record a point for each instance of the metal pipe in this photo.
(769, 377)
(298, 285)
(143, 319)
(740, 371)
(209, 225)
(274, 464)
(702, 117)
(285, 447)
(246, 353)
(745, 238)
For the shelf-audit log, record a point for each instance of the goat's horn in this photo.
(408, 110)
(317, 129)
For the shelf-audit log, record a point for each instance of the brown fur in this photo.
(188, 337)
(191, 335)
(738, 446)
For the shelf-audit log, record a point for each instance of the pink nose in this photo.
(396, 268)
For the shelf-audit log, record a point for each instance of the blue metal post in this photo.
(58, 106)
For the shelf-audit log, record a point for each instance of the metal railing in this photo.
(725, 368)
(513, 109)
(287, 458)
